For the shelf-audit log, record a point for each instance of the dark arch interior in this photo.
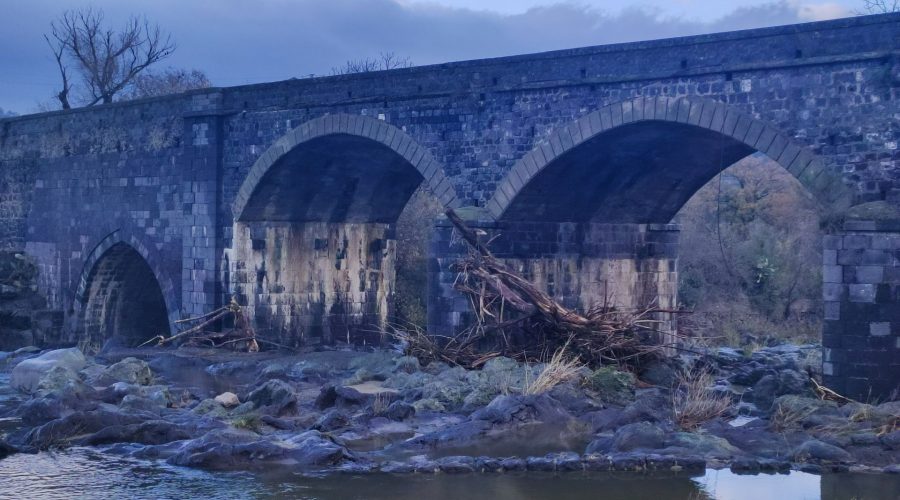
(124, 299)
(641, 172)
(335, 178)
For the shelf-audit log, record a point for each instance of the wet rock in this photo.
(814, 450)
(864, 438)
(745, 466)
(513, 464)
(573, 399)
(6, 449)
(227, 399)
(601, 444)
(891, 440)
(210, 408)
(488, 464)
(650, 405)
(399, 410)
(231, 449)
(522, 408)
(150, 432)
(748, 374)
(62, 430)
(38, 411)
(640, 435)
(773, 385)
(136, 403)
(456, 465)
(701, 444)
(332, 420)
(627, 462)
(129, 370)
(275, 397)
(611, 385)
(541, 464)
(663, 373)
(278, 423)
(27, 375)
(310, 370)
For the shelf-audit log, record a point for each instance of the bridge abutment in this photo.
(627, 266)
(861, 338)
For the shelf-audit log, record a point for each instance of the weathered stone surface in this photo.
(27, 375)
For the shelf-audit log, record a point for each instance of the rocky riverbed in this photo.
(379, 411)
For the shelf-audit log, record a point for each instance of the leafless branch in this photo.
(107, 60)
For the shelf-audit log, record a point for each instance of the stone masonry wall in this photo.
(861, 337)
(627, 266)
(314, 282)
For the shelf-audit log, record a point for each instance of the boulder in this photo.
(399, 410)
(778, 384)
(275, 396)
(27, 375)
(129, 370)
(232, 449)
(640, 435)
(814, 450)
(227, 399)
(150, 432)
(331, 420)
(611, 385)
(891, 440)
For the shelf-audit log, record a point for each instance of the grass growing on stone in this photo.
(559, 369)
(694, 402)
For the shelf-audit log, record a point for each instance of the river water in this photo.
(88, 473)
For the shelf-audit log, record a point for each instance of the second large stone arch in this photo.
(586, 213)
(314, 238)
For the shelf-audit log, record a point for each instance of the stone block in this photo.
(880, 329)
(861, 293)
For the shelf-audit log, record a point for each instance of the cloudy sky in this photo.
(248, 41)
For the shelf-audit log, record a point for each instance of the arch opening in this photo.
(641, 172)
(123, 299)
(314, 254)
(334, 178)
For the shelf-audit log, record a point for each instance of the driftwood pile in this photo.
(241, 337)
(516, 319)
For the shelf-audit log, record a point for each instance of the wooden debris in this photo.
(240, 337)
(515, 318)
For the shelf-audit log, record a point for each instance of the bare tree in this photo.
(171, 81)
(106, 60)
(880, 6)
(384, 61)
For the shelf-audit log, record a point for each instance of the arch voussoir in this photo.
(703, 113)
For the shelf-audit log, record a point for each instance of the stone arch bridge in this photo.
(286, 194)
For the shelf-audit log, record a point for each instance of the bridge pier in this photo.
(579, 264)
(861, 338)
(315, 281)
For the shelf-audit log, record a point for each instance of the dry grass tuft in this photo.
(381, 402)
(694, 403)
(559, 369)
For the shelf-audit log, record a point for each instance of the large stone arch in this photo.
(123, 291)
(360, 130)
(314, 245)
(707, 136)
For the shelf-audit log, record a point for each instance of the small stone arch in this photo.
(745, 133)
(122, 275)
(357, 126)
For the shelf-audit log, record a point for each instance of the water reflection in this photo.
(88, 473)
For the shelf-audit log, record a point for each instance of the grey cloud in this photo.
(239, 42)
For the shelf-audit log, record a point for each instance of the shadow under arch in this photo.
(639, 161)
(339, 168)
(123, 293)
